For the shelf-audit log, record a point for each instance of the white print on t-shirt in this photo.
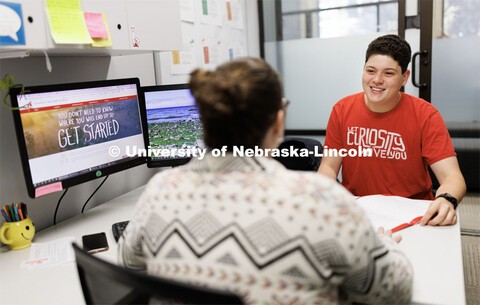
(385, 144)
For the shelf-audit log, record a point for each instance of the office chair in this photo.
(310, 163)
(106, 283)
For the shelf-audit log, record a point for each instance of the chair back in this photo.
(308, 163)
(106, 283)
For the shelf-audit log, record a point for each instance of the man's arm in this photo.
(441, 211)
(330, 166)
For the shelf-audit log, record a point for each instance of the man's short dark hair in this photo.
(393, 46)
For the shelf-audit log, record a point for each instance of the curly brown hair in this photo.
(238, 102)
(393, 46)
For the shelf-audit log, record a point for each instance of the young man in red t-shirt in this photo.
(404, 133)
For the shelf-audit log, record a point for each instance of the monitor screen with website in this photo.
(175, 133)
(72, 133)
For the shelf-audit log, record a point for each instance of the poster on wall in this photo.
(184, 61)
(187, 10)
(211, 12)
(234, 51)
(233, 16)
(211, 56)
(210, 47)
(216, 35)
(234, 44)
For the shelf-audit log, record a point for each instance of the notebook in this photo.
(393, 212)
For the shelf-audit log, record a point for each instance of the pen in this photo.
(15, 214)
(5, 208)
(15, 208)
(5, 216)
(20, 212)
(24, 209)
(12, 214)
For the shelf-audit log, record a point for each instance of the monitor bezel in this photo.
(152, 163)
(84, 177)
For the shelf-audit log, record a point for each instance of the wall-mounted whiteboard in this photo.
(213, 32)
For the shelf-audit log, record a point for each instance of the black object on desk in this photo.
(94, 243)
(117, 229)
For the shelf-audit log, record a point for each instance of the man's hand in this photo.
(440, 213)
(381, 231)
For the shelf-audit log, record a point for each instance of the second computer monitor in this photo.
(174, 127)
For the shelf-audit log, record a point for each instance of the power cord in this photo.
(83, 208)
(58, 204)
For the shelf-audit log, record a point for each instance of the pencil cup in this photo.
(17, 235)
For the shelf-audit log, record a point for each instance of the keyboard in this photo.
(117, 229)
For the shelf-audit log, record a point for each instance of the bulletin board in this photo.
(213, 32)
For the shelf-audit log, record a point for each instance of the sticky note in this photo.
(47, 189)
(67, 23)
(95, 25)
(103, 42)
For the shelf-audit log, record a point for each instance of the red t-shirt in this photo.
(404, 141)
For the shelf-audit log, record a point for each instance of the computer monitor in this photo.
(174, 126)
(72, 133)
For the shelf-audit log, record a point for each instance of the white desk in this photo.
(435, 253)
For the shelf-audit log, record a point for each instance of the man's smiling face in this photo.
(382, 79)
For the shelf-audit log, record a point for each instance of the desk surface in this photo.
(435, 253)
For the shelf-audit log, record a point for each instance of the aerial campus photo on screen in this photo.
(173, 120)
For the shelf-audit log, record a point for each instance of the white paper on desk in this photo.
(54, 253)
(391, 211)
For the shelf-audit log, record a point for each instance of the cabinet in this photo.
(116, 18)
(136, 26)
(156, 23)
(34, 19)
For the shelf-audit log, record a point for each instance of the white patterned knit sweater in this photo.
(271, 235)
